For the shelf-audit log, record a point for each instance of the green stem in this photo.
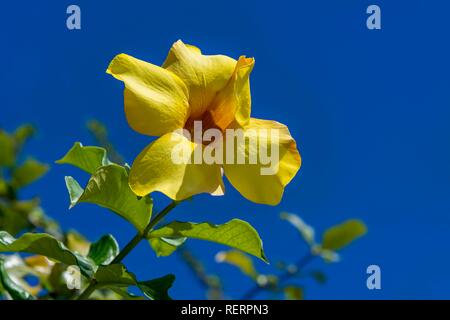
(88, 291)
(141, 236)
(131, 245)
(128, 248)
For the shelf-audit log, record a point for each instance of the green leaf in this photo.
(46, 245)
(7, 147)
(77, 242)
(104, 250)
(15, 291)
(116, 275)
(293, 293)
(157, 289)
(341, 235)
(305, 230)
(23, 133)
(30, 171)
(39, 219)
(74, 189)
(236, 233)
(239, 260)
(319, 276)
(123, 293)
(3, 188)
(11, 220)
(164, 247)
(88, 159)
(108, 187)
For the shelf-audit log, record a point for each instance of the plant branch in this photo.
(88, 291)
(303, 262)
(131, 245)
(141, 236)
(210, 282)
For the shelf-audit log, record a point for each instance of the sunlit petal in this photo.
(155, 170)
(233, 103)
(248, 178)
(204, 75)
(156, 100)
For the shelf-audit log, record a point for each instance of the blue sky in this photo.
(369, 111)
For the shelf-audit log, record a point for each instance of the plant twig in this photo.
(100, 134)
(304, 261)
(131, 245)
(211, 283)
(140, 236)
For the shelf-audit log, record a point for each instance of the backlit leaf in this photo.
(108, 187)
(341, 235)
(46, 245)
(23, 133)
(164, 247)
(236, 233)
(77, 243)
(7, 149)
(239, 260)
(30, 171)
(74, 189)
(114, 274)
(88, 158)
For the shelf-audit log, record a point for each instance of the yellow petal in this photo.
(156, 100)
(233, 103)
(155, 170)
(251, 180)
(204, 75)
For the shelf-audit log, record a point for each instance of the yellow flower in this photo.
(215, 90)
